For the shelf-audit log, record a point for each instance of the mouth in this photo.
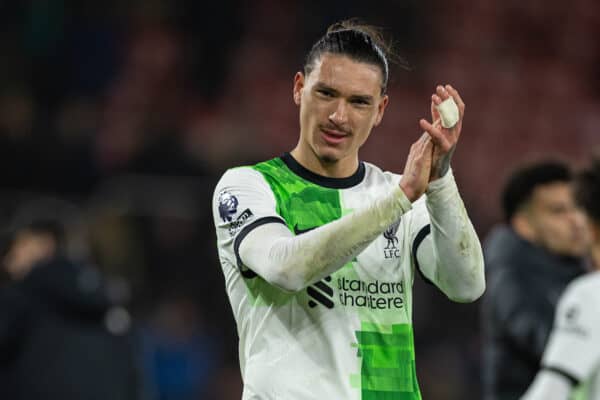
(333, 136)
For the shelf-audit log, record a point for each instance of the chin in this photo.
(328, 155)
(328, 158)
(577, 253)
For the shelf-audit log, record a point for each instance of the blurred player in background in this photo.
(571, 361)
(319, 248)
(529, 263)
(63, 334)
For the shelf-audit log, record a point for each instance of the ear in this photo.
(521, 224)
(381, 109)
(298, 86)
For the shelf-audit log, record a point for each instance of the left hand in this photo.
(444, 139)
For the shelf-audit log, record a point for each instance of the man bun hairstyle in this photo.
(587, 190)
(523, 181)
(358, 41)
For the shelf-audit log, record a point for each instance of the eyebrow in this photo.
(361, 97)
(323, 86)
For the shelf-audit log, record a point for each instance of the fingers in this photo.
(417, 170)
(437, 136)
(444, 92)
(450, 135)
(436, 99)
(427, 149)
(417, 151)
(422, 143)
(412, 154)
(423, 153)
(441, 94)
(459, 102)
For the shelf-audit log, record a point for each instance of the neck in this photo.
(342, 168)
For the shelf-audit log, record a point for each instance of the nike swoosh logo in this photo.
(299, 231)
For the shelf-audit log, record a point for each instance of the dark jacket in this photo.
(524, 283)
(55, 342)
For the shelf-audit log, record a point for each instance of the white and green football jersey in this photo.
(348, 336)
(573, 348)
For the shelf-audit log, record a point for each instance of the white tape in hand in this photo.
(449, 114)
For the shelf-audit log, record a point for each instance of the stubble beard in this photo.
(328, 159)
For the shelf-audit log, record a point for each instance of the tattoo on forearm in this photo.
(443, 164)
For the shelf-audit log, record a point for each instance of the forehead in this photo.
(553, 194)
(346, 75)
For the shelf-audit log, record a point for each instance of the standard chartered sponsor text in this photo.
(374, 295)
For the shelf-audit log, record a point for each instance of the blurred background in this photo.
(124, 114)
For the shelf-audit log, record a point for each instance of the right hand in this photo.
(417, 170)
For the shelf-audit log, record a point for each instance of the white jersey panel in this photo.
(574, 344)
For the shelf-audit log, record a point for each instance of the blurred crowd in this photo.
(119, 117)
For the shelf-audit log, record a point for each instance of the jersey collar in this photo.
(325, 181)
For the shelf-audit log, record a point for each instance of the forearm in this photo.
(294, 262)
(441, 166)
(458, 258)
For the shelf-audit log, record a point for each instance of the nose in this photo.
(339, 116)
